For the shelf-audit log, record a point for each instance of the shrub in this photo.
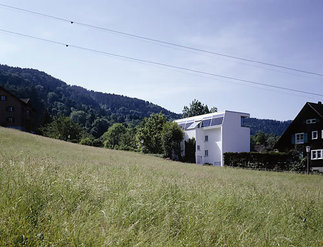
(264, 161)
(87, 141)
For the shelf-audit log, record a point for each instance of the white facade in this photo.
(215, 134)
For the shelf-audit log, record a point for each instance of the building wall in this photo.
(235, 137)
(229, 136)
(22, 119)
(213, 145)
(303, 124)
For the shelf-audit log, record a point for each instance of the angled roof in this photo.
(209, 115)
(316, 108)
(25, 101)
(206, 120)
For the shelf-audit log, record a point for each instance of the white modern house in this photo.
(215, 134)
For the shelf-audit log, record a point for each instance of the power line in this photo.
(163, 64)
(164, 42)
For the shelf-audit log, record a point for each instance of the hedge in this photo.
(265, 161)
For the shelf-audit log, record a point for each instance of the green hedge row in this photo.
(265, 161)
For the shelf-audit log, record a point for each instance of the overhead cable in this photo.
(163, 64)
(164, 42)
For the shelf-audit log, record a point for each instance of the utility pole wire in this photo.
(163, 64)
(164, 42)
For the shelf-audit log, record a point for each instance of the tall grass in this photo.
(62, 194)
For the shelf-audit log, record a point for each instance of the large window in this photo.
(315, 134)
(206, 122)
(299, 138)
(317, 154)
(188, 124)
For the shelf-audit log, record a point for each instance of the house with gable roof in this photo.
(215, 134)
(15, 112)
(306, 130)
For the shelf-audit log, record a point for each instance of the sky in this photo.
(287, 33)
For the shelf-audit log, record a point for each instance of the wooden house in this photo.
(306, 130)
(15, 112)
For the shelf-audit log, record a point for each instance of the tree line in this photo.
(75, 114)
(155, 134)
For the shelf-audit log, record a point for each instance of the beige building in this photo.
(15, 113)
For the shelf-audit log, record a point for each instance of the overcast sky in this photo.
(287, 33)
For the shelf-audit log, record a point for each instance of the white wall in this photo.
(235, 137)
(213, 145)
(228, 137)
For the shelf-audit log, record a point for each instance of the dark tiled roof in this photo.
(317, 107)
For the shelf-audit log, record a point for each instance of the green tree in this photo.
(197, 108)
(190, 147)
(99, 126)
(149, 135)
(172, 135)
(260, 138)
(63, 128)
(78, 117)
(128, 139)
(113, 137)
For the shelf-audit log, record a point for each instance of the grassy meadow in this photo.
(55, 193)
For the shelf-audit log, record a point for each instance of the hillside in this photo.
(52, 97)
(267, 126)
(59, 194)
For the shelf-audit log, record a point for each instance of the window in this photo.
(243, 121)
(28, 113)
(10, 109)
(188, 124)
(3, 97)
(299, 138)
(206, 122)
(217, 121)
(206, 153)
(311, 121)
(206, 138)
(198, 147)
(10, 119)
(317, 154)
(315, 134)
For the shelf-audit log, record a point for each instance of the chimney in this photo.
(320, 103)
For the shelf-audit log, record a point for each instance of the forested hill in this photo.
(267, 126)
(51, 97)
(93, 110)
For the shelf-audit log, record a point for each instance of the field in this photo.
(55, 193)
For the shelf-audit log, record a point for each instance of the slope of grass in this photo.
(61, 194)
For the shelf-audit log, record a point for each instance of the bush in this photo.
(63, 128)
(86, 141)
(97, 143)
(264, 161)
(172, 135)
